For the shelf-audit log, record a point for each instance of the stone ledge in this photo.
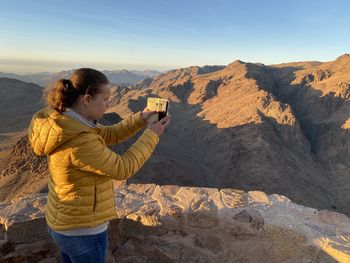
(182, 224)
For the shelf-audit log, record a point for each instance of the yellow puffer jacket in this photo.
(82, 167)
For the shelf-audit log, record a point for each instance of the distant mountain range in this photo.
(281, 129)
(119, 77)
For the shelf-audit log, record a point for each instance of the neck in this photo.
(82, 112)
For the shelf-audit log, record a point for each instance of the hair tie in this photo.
(68, 85)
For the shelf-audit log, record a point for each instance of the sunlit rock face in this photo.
(278, 129)
(190, 224)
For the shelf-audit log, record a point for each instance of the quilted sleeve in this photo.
(123, 130)
(93, 156)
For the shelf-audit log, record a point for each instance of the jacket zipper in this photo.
(115, 205)
(94, 207)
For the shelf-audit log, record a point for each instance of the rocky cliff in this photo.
(189, 224)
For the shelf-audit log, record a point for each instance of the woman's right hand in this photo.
(158, 127)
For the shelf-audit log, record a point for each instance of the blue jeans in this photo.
(84, 249)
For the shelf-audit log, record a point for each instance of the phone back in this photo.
(160, 105)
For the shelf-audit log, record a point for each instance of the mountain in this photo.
(146, 73)
(42, 79)
(228, 130)
(120, 77)
(319, 96)
(127, 78)
(18, 101)
(280, 129)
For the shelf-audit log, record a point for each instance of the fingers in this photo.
(165, 121)
(158, 127)
(152, 123)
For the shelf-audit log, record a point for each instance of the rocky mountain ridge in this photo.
(279, 129)
(250, 126)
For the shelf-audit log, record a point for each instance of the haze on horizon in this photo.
(52, 36)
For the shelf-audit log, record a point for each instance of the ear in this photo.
(86, 99)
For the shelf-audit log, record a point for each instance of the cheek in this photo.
(98, 107)
(103, 105)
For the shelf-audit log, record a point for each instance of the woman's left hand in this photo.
(146, 113)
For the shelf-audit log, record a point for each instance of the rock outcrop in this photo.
(24, 172)
(188, 224)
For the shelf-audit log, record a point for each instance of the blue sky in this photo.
(37, 35)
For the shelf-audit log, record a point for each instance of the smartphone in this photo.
(160, 105)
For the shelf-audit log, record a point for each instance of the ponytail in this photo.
(61, 95)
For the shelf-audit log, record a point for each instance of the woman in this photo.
(82, 168)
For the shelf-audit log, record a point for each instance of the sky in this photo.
(50, 36)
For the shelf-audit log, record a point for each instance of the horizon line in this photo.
(13, 63)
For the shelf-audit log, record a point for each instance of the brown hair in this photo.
(65, 92)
